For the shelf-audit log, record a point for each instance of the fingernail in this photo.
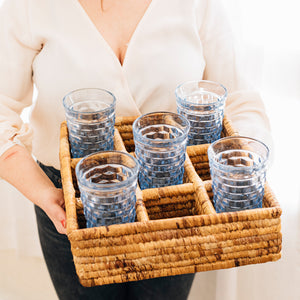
(63, 223)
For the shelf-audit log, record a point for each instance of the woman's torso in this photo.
(164, 51)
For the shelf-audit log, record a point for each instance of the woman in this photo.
(140, 50)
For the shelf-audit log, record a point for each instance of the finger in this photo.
(60, 220)
(60, 228)
(63, 223)
(61, 200)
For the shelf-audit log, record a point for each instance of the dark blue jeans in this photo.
(59, 260)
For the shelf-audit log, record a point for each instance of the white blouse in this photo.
(53, 45)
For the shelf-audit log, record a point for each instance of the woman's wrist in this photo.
(19, 169)
(47, 196)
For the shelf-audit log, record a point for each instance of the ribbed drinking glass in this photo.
(160, 144)
(90, 115)
(107, 182)
(238, 171)
(202, 103)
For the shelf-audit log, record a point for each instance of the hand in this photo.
(53, 205)
(19, 169)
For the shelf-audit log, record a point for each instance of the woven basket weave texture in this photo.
(177, 230)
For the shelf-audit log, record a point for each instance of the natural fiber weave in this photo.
(177, 230)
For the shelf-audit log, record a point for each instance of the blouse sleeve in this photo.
(244, 105)
(17, 51)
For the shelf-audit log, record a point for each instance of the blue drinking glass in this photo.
(90, 115)
(160, 144)
(202, 103)
(107, 181)
(238, 171)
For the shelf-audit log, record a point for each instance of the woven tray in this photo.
(177, 230)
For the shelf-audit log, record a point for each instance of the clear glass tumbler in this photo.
(160, 144)
(202, 103)
(90, 115)
(238, 171)
(107, 182)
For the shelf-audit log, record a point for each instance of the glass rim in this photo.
(220, 98)
(89, 89)
(186, 129)
(108, 186)
(211, 155)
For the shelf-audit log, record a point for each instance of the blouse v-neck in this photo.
(133, 37)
